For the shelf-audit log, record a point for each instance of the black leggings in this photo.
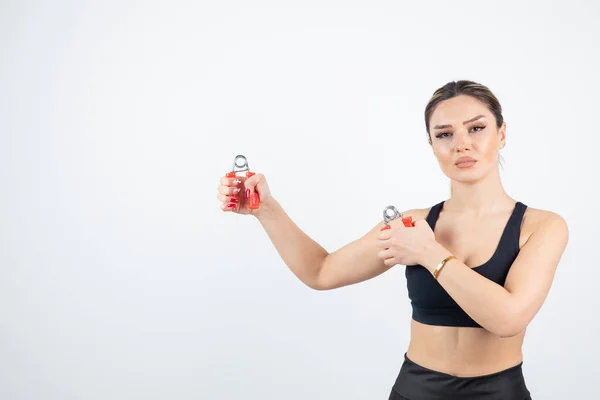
(415, 382)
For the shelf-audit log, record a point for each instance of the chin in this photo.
(465, 175)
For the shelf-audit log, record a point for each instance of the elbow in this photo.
(322, 282)
(510, 325)
(319, 284)
(315, 285)
(508, 331)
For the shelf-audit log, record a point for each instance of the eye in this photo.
(442, 135)
(477, 128)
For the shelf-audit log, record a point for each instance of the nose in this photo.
(462, 140)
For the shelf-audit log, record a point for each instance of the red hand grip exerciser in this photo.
(254, 200)
(407, 221)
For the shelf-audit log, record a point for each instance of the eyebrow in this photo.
(464, 123)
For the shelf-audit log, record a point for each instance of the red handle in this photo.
(254, 200)
(408, 222)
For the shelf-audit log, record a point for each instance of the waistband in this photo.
(416, 382)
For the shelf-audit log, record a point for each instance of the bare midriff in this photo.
(463, 352)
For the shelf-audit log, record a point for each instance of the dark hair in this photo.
(467, 88)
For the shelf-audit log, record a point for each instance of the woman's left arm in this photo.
(506, 310)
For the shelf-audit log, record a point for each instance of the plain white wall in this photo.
(120, 278)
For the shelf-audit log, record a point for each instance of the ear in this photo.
(502, 135)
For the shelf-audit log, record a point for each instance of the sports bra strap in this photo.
(434, 214)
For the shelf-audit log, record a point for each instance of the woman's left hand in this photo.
(405, 245)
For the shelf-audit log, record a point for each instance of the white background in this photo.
(120, 278)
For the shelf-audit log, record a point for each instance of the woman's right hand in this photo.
(234, 193)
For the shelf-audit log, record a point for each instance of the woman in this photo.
(478, 265)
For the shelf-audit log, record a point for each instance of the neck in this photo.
(485, 195)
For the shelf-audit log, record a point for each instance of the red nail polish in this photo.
(234, 200)
(247, 192)
(230, 205)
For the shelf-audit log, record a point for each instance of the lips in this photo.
(465, 162)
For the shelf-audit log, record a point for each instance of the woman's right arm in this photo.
(310, 262)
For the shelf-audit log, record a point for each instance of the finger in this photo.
(231, 199)
(383, 244)
(251, 183)
(390, 262)
(225, 181)
(385, 254)
(397, 224)
(385, 234)
(228, 190)
(229, 207)
(228, 203)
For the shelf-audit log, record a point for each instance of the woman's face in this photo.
(465, 139)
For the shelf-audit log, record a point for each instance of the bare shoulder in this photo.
(544, 223)
(416, 214)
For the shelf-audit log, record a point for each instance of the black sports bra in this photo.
(431, 304)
